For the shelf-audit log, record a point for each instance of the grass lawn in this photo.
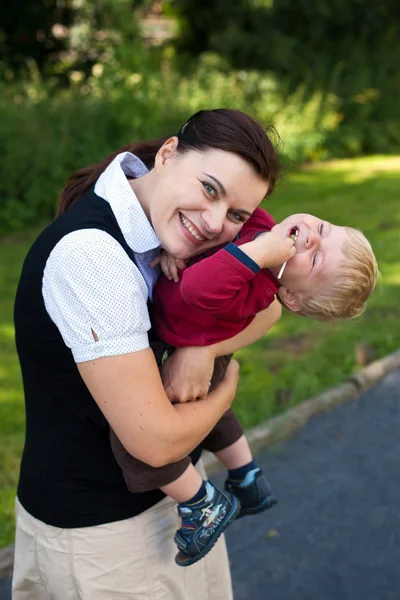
(299, 358)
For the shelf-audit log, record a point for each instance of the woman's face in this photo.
(201, 200)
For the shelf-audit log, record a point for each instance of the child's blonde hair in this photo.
(346, 297)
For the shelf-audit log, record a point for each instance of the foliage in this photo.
(349, 48)
(26, 30)
(323, 73)
(62, 36)
(47, 133)
(287, 37)
(298, 358)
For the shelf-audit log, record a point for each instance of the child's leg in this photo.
(205, 511)
(236, 455)
(140, 477)
(245, 479)
(185, 487)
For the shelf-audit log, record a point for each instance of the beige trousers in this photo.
(127, 560)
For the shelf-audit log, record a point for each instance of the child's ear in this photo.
(289, 299)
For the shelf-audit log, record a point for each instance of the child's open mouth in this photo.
(294, 233)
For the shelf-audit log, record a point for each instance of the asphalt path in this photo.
(335, 534)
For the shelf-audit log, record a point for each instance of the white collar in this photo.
(114, 187)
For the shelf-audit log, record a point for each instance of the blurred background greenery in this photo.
(79, 78)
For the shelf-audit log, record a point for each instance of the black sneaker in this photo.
(253, 492)
(203, 524)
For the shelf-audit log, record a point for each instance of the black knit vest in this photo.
(68, 477)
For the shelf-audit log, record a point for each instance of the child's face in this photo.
(318, 255)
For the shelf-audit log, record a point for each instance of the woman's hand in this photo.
(187, 373)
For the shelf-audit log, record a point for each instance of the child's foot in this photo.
(202, 524)
(253, 492)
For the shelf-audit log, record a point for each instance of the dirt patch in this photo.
(290, 347)
(386, 225)
(295, 345)
(385, 313)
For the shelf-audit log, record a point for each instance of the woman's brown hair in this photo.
(219, 129)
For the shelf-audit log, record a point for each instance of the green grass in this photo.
(299, 358)
(12, 253)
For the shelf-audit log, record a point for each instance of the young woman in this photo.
(82, 330)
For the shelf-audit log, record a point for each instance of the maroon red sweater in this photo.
(217, 296)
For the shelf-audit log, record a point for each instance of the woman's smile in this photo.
(195, 237)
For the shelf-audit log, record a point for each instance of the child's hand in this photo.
(169, 265)
(270, 250)
(276, 249)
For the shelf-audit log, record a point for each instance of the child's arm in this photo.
(232, 283)
(268, 249)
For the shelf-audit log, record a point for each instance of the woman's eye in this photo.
(237, 217)
(209, 189)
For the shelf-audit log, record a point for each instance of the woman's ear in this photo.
(167, 151)
(289, 299)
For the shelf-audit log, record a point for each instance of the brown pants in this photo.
(139, 476)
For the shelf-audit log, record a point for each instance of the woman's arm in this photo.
(97, 298)
(187, 373)
(260, 325)
(129, 392)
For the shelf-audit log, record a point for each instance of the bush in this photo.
(348, 48)
(47, 133)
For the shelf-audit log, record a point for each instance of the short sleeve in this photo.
(92, 289)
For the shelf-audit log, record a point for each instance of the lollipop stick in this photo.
(296, 235)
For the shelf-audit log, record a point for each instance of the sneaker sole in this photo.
(267, 503)
(184, 561)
